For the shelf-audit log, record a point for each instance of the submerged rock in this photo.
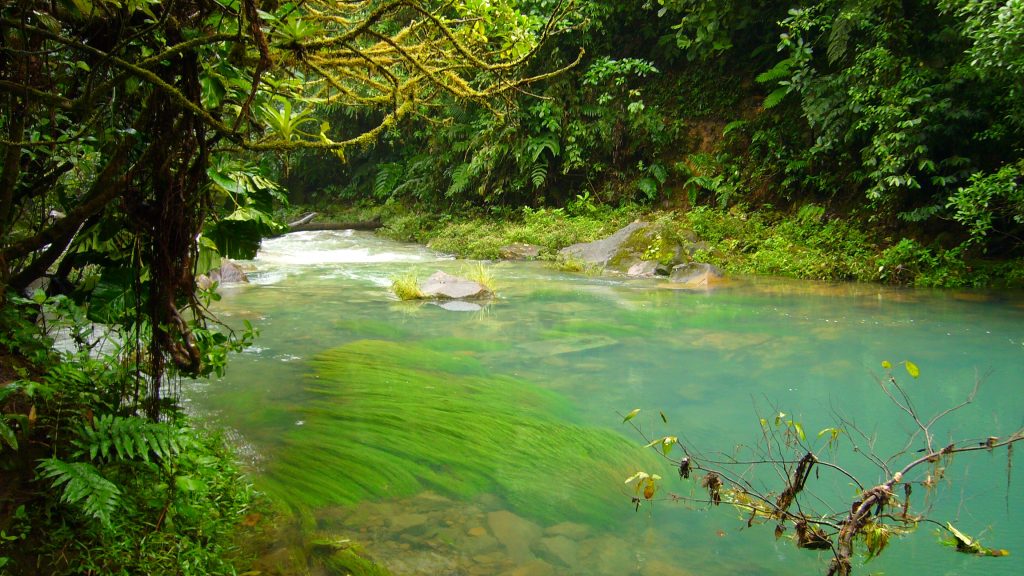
(514, 532)
(443, 286)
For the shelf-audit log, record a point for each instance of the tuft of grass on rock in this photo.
(479, 273)
(407, 286)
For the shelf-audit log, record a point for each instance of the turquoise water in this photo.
(712, 362)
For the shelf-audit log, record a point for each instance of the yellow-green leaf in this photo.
(912, 369)
(886, 364)
(632, 414)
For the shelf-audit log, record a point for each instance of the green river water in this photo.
(490, 441)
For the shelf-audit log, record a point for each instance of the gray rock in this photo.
(519, 251)
(600, 252)
(447, 287)
(643, 269)
(695, 274)
(228, 273)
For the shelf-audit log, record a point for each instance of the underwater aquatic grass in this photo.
(388, 420)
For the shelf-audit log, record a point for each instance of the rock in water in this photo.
(228, 273)
(695, 274)
(517, 534)
(599, 252)
(519, 251)
(447, 287)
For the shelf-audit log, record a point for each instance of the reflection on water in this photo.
(713, 362)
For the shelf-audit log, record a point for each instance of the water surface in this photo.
(572, 354)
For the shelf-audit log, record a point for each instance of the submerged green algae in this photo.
(387, 420)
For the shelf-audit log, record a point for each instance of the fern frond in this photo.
(778, 72)
(460, 180)
(649, 186)
(539, 173)
(839, 38)
(83, 487)
(538, 144)
(772, 100)
(112, 438)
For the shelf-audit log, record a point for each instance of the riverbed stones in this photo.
(560, 549)
(515, 533)
(228, 273)
(570, 530)
(443, 286)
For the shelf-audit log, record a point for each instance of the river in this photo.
(490, 440)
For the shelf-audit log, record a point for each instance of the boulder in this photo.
(643, 269)
(639, 250)
(228, 273)
(695, 275)
(519, 251)
(444, 286)
(600, 252)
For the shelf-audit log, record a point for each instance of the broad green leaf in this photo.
(632, 414)
(912, 369)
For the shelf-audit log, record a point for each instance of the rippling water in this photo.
(712, 362)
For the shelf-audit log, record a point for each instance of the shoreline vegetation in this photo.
(807, 243)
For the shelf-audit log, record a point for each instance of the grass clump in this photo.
(407, 286)
(480, 273)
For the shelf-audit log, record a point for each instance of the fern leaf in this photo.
(537, 145)
(82, 487)
(649, 186)
(838, 38)
(539, 174)
(772, 100)
(778, 72)
(658, 172)
(460, 180)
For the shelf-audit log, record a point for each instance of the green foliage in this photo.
(482, 238)
(83, 487)
(111, 438)
(991, 200)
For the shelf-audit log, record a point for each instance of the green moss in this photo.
(388, 420)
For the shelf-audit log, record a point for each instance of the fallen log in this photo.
(313, 226)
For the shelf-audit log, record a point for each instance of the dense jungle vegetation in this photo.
(143, 140)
